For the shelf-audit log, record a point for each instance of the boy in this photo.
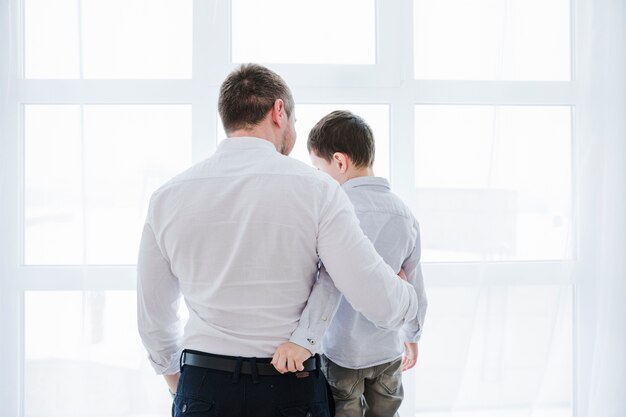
(364, 363)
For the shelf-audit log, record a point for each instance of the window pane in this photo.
(86, 359)
(86, 200)
(130, 150)
(497, 351)
(311, 32)
(150, 39)
(492, 39)
(307, 115)
(51, 39)
(53, 216)
(494, 183)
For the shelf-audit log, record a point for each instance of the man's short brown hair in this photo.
(248, 94)
(345, 132)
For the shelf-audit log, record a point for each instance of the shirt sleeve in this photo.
(359, 273)
(317, 314)
(158, 299)
(412, 329)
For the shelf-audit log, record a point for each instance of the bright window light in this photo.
(91, 338)
(494, 182)
(51, 39)
(479, 359)
(86, 200)
(152, 38)
(53, 185)
(304, 32)
(108, 39)
(492, 39)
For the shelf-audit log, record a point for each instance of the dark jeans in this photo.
(205, 392)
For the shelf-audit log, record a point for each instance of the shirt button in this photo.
(311, 341)
(309, 414)
(324, 318)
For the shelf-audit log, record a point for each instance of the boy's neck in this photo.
(359, 172)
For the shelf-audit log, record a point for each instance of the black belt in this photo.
(237, 365)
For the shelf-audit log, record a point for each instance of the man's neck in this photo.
(260, 131)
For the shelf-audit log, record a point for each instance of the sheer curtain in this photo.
(601, 335)
(9, 390)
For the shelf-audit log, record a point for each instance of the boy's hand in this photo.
(410, 356)
(402, 275)
(289, 357)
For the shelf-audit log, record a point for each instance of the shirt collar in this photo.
(245, 143)
(366, 181)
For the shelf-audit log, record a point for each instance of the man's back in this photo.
(353, 341)
(235, 227)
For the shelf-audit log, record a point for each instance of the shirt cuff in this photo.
(413, 339)
(307, 340)
(410, 335)
(166, 367)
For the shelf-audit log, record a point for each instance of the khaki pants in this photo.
(371, 392)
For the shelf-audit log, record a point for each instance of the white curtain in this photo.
(8, 186)
(601, 160)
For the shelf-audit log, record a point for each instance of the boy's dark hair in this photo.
(345, 132)
(248, 94)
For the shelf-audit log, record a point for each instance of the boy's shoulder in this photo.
(374, 194)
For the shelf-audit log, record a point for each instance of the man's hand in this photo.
(410, 356)
(172, 381)
(289, 357)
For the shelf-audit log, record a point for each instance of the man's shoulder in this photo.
(188, 174)
(299, 173)
(277, 166)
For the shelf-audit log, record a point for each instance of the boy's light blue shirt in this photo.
(349, 339)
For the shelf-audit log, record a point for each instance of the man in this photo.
(240, 235)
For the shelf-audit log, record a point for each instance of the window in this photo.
(502, 174)
(91, 338)
(472, 106)
(113, 39)
(90, 171)
(481, 354)
(320, 32)
(492, 40)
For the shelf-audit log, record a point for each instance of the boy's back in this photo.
(351, 340)
(363, 363)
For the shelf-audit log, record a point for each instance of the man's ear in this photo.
(342, 161)
(279, 116)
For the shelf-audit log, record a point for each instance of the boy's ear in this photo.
(342, 161)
